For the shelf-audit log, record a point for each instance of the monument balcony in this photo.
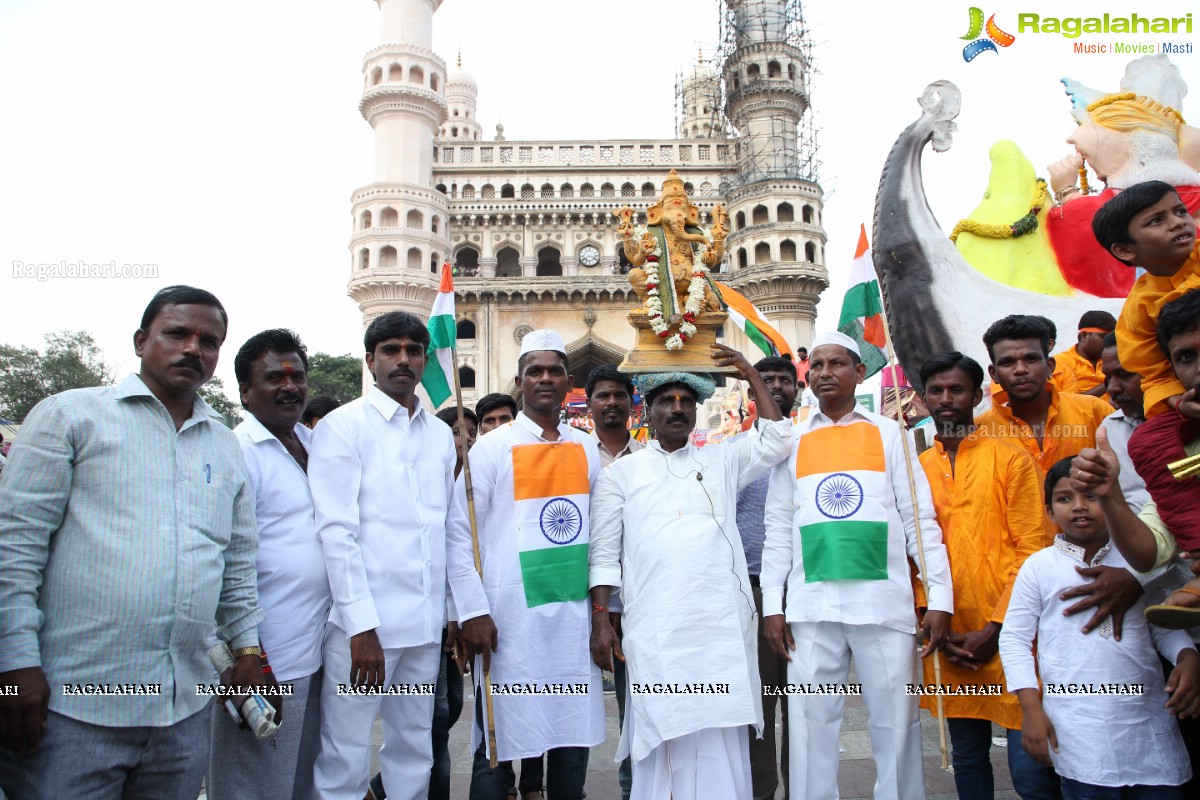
(653, 156)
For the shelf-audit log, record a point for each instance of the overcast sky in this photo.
(221, 140)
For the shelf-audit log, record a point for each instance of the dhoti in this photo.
(713, 762)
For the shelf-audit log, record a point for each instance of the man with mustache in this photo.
(532, 481)
(293, 586)
(987, 496)
(841, 530)
(779, 375)
(126, 533)
(381, 472)
(666, 534)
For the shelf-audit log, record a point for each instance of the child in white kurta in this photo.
(1102, 719)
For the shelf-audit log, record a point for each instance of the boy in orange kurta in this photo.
(1149, 226)
(987, 495)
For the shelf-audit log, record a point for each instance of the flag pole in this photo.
(912, 487)
(493, 761)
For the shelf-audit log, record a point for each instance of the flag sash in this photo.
(551, 492)
(841, 482)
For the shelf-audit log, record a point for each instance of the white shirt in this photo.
(381, 483)
(1108, 739)
(1120, 429)
(856, 602)
(293, 586)
(545, 644)
(671, 543)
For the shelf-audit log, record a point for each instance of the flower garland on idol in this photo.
(654, 305)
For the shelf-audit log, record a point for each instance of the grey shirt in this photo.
(123, 542)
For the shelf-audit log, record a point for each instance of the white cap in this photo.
(835, 337)
(544, 339)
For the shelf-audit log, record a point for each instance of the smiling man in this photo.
(126, 534)
(381, 472)
(666, 534)
(293, 586)
(527, 620)
(987, 495)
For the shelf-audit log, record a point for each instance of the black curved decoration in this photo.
(910, 250)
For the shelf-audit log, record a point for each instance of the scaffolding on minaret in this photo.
(766, 21)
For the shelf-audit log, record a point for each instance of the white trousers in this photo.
(710, 763)
(885, 662)
(343, 767)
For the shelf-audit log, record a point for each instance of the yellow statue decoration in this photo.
(671, 259)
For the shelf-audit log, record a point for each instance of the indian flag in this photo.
(751, 322)
(862, 307)
(439, 363)
(551, 490)
(841, 481)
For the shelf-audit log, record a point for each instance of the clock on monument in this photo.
(589, 256)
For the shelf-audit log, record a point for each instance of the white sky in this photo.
(221, 140)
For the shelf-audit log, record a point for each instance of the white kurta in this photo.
(664, 531)
(541, 646)
(1109, 739)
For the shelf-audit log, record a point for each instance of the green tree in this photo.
(71, 361)
(213, 392)
(339, 377)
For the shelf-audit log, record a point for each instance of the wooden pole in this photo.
(912, 487)
(466, 472)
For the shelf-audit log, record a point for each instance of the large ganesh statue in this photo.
(671, 258)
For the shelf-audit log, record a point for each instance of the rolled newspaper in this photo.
(257, 712)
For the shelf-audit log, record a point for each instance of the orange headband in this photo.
(1100, 331)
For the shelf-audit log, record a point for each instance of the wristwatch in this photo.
(248, 651)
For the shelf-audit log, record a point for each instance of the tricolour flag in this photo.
(439, 378)
(862, 308)
(750, 321)
(551, 490)
(841, 482)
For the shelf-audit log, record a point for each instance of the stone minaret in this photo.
(399, 238)
(776, 247)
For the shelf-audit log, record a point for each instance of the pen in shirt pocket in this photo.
(208, 473)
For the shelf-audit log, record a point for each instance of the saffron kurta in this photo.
(1071, 425)
(990, 511)
(670, 541)
(1137, 342)
(1084, 374)
(543, 642)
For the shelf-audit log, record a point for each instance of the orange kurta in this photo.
(1087, 376)
(1071, 424)
(990, 510)
(1137, 340)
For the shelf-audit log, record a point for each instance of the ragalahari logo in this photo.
(995, 36)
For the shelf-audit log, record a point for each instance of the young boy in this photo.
(1103, 723)
(1149, 226)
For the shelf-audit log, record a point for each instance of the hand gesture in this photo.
(1095, 469)
(935, 628)
(1112, 592)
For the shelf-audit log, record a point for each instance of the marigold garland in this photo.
(1025, 225)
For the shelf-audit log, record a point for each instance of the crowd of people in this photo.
(1039, 552)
